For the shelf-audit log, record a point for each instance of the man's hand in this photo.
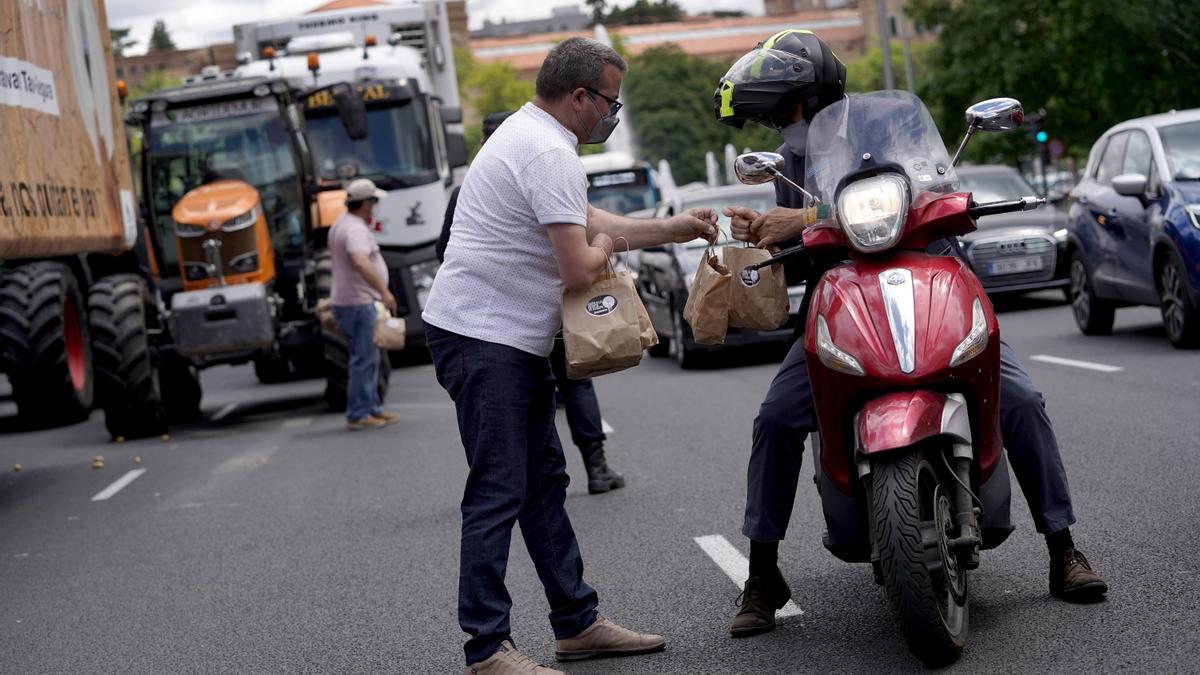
(694, 224)
(389, 300)
(740, 218)
(778, 224)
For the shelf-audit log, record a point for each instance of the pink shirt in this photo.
(350, 234)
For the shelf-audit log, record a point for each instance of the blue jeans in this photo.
(579, 399)
(504, 399)
(357, 324)
(787, 416)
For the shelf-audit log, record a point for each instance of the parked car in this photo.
(1134, 228)
(1013, 252)
(665, 273)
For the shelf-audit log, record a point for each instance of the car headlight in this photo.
(240, 222)
(831, 355)
(1061, 235)
(872, 211)
(976, 340)
(422, 277)
(1194, 213)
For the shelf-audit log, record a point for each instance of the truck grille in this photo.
(238, 252)
(987, 255)
(411, 34)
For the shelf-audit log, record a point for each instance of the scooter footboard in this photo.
(904, 418)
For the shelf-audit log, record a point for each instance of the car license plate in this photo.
(1015, 266)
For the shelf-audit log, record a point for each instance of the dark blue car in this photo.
(1134, 228)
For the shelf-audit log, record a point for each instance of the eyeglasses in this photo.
(614, 105)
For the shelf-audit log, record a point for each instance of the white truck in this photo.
(400, 59)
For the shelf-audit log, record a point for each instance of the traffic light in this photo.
(1042, 136)
(1035, 127)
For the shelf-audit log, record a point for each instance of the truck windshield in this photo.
(243, 140)
(622, 191)
(397, 152)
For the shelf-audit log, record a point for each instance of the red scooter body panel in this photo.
(899, 419)
(851, 299)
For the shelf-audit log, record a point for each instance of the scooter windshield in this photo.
(891, 129)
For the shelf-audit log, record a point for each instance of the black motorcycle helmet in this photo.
(764, 86)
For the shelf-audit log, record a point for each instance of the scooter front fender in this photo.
(904, 418)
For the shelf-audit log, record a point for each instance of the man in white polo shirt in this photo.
(523, 231)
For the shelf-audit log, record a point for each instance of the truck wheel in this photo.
(925, 583)
(273, 369)
(45, 345)
(179, 382)
(127, 381)
(1181, 318)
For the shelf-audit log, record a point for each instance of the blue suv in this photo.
(1134, 229)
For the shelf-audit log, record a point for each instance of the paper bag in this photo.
(707, 307)
(758, 299)
(602, 328)
(325, 316)
(390, 331)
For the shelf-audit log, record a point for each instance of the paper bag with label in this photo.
(390, 331)
(707, 307)
(758, 299)
(602, 326)
(325, 316)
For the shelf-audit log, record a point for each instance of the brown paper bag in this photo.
(707, 308)
(602, 328)
(390, 331)
(325, 316)
(758, 299)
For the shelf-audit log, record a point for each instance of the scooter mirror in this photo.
(756, 168)
(996, 114)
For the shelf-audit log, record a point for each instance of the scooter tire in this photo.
(899, 490)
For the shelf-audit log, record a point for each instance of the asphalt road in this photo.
(268, 539)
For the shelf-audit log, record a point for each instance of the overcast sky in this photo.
(196, 23)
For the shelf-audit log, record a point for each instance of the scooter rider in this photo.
(786, 99)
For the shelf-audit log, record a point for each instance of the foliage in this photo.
(598, 7)
(152, 82)
(160, 39)
(865, 73)
(670, 97)
(487, 88)
(119, 40)
(642, 12)
(1088, 64)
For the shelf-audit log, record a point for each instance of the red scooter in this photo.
(904, 356)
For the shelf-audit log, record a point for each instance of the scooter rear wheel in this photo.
(925, 583)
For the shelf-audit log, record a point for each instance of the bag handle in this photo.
(627, 250)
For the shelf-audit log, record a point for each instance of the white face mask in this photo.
(795, 136)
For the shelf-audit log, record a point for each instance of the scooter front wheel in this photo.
(927, 587)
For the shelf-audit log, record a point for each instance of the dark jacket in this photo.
(444, 237)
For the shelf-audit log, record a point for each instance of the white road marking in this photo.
(605, 426)
(297, 423)
(220, 415)
(1086, 365)
(118, 485)
(736, 566)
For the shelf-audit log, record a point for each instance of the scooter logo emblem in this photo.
(895, 278)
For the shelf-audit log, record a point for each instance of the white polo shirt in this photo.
(500, 281)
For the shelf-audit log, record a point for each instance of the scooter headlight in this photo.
(831, 355)
(976, 340)
(872, 211)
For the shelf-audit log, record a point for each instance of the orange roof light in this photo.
(122, 90)
(268, 52)
(314, 62)
(370, 41)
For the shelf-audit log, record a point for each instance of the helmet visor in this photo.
(771, 65)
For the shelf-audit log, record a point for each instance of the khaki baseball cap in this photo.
(363, 189)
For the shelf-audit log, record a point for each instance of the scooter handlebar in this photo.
(783, 256)
(1009, 206)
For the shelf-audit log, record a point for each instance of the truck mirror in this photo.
(351, 111)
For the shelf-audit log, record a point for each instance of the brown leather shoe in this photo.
(1073, 579)
(368, 422)
(605, 638)
(757, 604)
(508, 661)
(389, 417)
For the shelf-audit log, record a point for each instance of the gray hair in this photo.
(573, 63)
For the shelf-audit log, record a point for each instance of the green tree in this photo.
(1089, 64)
(598, 7)
(487, 88)
(160, 39)
(120, 41)
(644, 11)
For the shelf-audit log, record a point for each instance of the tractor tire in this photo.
(928, 596)
(44, 344)
(126, 378)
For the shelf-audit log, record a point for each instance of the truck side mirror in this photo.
(351, 110)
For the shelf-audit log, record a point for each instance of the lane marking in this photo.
(1086, 365)
(297, 423)
(605, 426)
(118, 485)
(736, 566)
(223, 412)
